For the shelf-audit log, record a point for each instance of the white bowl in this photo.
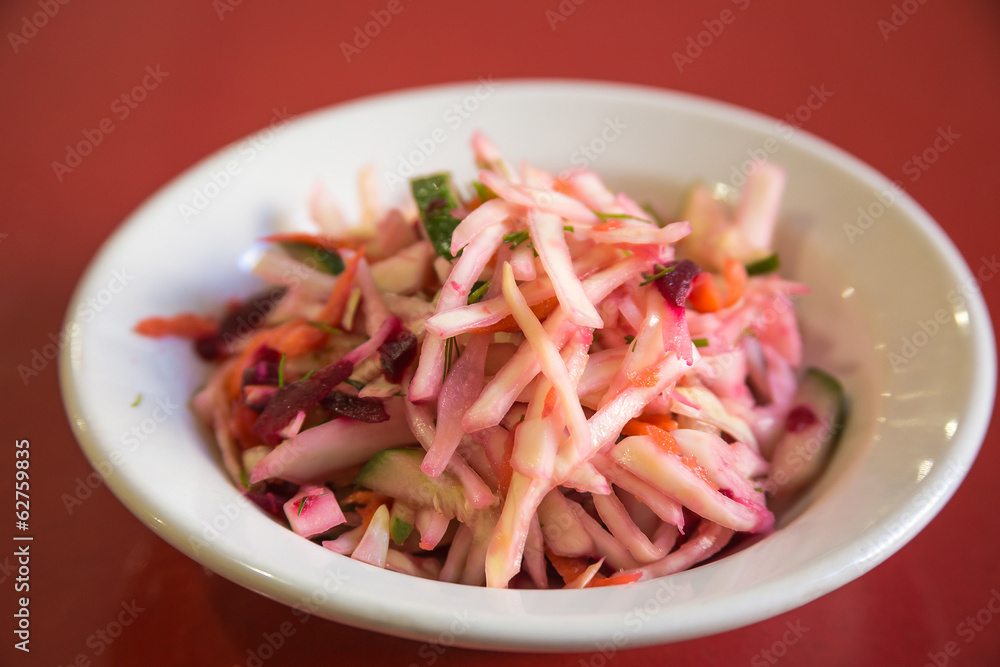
(892, 284)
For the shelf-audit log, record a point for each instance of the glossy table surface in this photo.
(105, 590)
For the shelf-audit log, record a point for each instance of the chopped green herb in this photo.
(648, 208)
(321, 259)
(758, 489)
(568, 228)
(700, 342)
(485, 194)
(308, 375)
(478, 290)
(435, 199)
(629, 338)
(767, 265)
(354, 383)
(516, 238)
(325, 327)
(244, 479)
(450, 352)
(660, 272)
(302, 504)
(137, 401)
(281, 371)
(609, 216)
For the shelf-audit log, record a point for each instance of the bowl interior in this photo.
(889, 315)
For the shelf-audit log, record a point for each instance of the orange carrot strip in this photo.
(184, 325)
(735, 275)
(704, 296)
(662, 421)
(508, 325)
(568, 568)
(333, 311)
(615, 579)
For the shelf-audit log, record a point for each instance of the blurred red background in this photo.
(898, 72)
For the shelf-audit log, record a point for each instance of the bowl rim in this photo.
(527, 631)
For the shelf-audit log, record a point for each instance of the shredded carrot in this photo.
(184, 325)
(665, 422)
(609, 225)
(298, 338)
(644, 377)
(336, 305)
(368, 511)
(360, 497)
(242, 425)
(508, 325)
(704, 296)
(615, 579)
(667, 443)
(567, 567)
(736, 280)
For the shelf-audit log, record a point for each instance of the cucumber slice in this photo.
(814, 424)
(397, 473)
(435, 197)
(401, 522)
(769, 264)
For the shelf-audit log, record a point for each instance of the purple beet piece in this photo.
(369, 410)
(238, 323)
(675, 285)
(297, 397)
(398, 352)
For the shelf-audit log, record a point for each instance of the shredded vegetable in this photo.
(539, 384)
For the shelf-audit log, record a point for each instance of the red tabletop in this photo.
(105, 590)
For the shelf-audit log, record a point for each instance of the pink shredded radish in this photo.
(432, 526)
(313, 510)
(374, 545)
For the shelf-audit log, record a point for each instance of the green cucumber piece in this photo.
(769, 264)
(397, 473)
(815, 423)
(435, 198)
(401, 522)
(327, 261)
